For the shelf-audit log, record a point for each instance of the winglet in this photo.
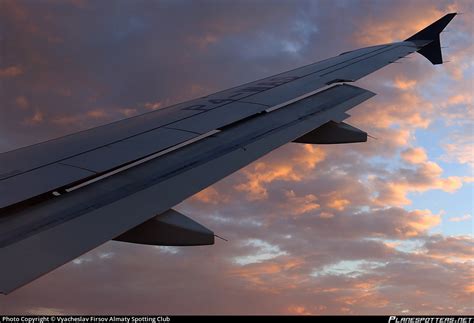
(432, 51)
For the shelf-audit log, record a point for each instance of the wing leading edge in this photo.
(102, 181)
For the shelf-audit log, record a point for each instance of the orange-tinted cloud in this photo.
(210, 195)
(22, 102)
(291, 168)
(338, 203)
(425, 176)
(129, 112)
(97, 114)
(88, 118)
(35, 119)
(11, 71)
(298, 310)
(408, 109)
(153, 105)
(381, 30)
(298, 205)
(263, 174)
(403, 83)
(414, 155)
(450, 249)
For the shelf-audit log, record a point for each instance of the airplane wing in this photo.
(64, 197)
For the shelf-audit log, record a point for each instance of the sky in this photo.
(383, 227)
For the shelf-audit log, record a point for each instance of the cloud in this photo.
(87, 119)
(22, 102)
(129, 112)
(399, 25)
(35, 119)
(298, 205)
(265, 251)
(291, 167)
(425, 176)
(465, 217)
(414, 155)
(153, 105)
(460, 148)
(450, 249)
(338, 203)
(11, 71)
(403, 83)
(97, 114)
(299, 310)
(264, 174)
(210, 195)
(407, 109)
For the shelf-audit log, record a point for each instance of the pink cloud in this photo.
(11, 71)
(465, 217)
(414, 155)
(424, 177)
(36, 118)
(289, 168)
(22, 102)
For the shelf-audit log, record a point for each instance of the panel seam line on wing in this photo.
(142, 160)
